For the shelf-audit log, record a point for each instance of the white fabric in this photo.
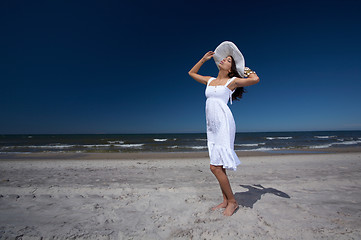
(227, 48)
(221, 128)
(230, 94)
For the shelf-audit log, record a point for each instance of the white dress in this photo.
(221, 128)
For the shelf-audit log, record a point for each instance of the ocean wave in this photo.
(114, 145)
(192, 147)
(198, 147)
(131, 145)
(325, 136)
(7, 147)
(272, 138)
(321, 146)
(249, 144)
(15, 152)
(195, 147)
(119, 142)
(95, 145)
(175, 146)
(201, 139)
(347, 143)
(160, 139)
(39, 146)
(335, 143)
(263, 149)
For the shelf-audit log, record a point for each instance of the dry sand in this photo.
(305, 196)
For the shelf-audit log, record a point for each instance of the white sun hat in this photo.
(227, 48)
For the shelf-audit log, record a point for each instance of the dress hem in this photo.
(223, 156)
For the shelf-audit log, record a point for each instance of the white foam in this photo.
(39, 146)
(325, 136)
(199, 147)
(201, 139)
(131, 145)
(61, 146)
(15, 152)
(160, 139)
(272, 138)
(336, 143)
(249, 144)
(321, 146)
(96, 145)
(115, 145)
(195, 147)
(263, 149)
(347, 143)
(7, 147)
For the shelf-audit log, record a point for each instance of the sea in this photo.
(184, 142)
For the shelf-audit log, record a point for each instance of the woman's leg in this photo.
(229, 202)
(225, 202)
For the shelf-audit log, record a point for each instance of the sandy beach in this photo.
(281, 196)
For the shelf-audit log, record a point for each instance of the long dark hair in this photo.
(237, 95)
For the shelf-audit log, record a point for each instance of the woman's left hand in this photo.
(208, 55)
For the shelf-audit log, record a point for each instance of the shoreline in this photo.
(165, 155)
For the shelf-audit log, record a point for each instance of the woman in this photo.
(221, 127)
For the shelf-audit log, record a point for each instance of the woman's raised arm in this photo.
(193, 72)
(244, 82)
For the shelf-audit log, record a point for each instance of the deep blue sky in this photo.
(122, 66)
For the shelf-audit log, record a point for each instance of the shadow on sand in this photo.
(254, 193)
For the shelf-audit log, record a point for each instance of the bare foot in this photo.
(221, 205)
(231, 208)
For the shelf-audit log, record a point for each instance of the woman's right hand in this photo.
(208, 55)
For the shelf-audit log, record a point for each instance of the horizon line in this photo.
(171, 132)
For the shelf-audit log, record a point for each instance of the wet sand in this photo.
(165, 155)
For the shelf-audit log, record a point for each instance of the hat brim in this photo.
(227, 48)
